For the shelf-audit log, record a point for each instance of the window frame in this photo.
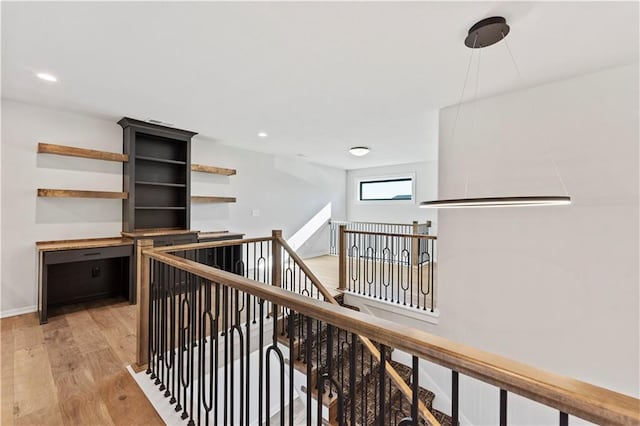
(389, 178)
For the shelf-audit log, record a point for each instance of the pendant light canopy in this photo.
(483, 33)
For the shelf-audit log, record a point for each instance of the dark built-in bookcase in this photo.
(157, 176)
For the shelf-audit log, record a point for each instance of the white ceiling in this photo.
(318, 77)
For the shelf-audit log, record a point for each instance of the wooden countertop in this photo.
(218, 234)
(157, 232)
(82, 243)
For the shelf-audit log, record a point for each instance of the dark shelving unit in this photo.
(157, 176)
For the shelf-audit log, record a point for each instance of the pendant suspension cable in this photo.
(464, 87)
(522, 81)
(473, 117)
(515, 65)
(555, 166)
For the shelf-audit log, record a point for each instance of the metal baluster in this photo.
(432, 266)
(192, 338)
(163, 327)
(352, 379)
(225, 328)
(564, 419)
(291, 372)
(197, 281)
(247, 359)
(383, 365)
(216, 352)
(307, 358)
(260, 360)
(173, 344)
(454, 398)
(503, 407)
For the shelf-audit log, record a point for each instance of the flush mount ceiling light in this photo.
(485, 33)
(263, 135)
(359, 151)
(47, 77)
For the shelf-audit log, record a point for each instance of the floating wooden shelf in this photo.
(75, 193)
(211, 169)
(211, 199)
(72, 151)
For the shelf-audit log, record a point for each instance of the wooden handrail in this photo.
(387, 234)
(391, 372)
(212, 244)
(589, 402)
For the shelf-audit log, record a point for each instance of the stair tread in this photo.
(367, 373)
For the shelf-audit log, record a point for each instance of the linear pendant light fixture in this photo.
(482, 34)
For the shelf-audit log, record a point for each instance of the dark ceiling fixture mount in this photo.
(484, 33)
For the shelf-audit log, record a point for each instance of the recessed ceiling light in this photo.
(47, 77)
(359, 151)
(263, 134)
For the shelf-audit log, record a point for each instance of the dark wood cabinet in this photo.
(75, 271)
(157, 176)
(156, 205)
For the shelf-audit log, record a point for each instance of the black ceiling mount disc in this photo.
(487, 32)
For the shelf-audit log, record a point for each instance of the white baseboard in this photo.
(374, 306)
(18, 311)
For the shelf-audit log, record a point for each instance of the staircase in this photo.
(358, 407)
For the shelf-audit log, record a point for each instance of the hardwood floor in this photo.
(326, 269)
(73, 369)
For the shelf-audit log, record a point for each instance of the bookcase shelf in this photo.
(212, 199)
(76, 193)
(72, 151)
(160, 160)
(158, 176)
(174, 185)
(212, 169)
(160, 208)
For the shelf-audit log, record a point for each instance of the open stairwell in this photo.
(360, 406)
(283, 350)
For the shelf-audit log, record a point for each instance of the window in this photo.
(393, 189)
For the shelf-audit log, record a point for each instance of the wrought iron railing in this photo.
(227, 349)
(396, 268)
(378, 227)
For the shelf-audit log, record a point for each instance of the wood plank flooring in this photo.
(72, 371)
(326, 269)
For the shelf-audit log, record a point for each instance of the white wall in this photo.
(288, 192)
(426, 188)
(554, 287)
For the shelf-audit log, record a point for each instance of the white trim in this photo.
(18, 311)
(394, 308)
(403, 175)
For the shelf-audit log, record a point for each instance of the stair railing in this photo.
(368, 344)
(393, 267)
(197, 324)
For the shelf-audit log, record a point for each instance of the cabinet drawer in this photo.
(79, 255)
